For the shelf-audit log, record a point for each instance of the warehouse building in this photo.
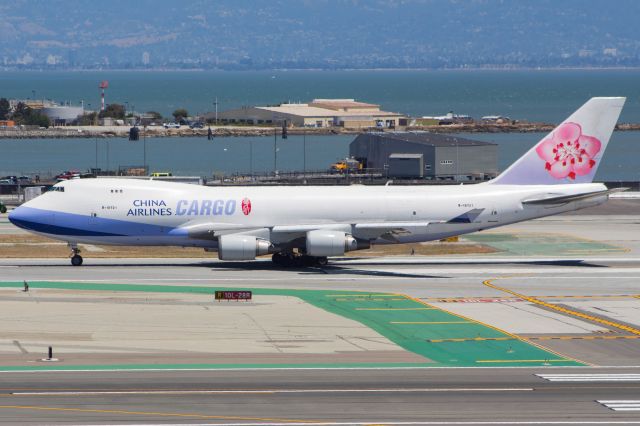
(426, 155)
(318, 113)
(58, 114)
(62, 115)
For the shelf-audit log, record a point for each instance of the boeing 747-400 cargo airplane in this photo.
(304, 225)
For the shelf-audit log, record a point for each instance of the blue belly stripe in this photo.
(39, 220)
(60, 230)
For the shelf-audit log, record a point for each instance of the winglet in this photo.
(572, 152)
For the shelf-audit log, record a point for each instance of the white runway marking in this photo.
(265, 391)
(622, 405)
(630, 377)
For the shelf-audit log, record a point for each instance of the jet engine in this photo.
(241, 247)
(329, 243)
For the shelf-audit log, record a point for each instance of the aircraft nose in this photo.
(17, 216)
(24, 217)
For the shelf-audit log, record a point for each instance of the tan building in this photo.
(318, 113)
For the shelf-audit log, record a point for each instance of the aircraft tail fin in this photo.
(572, 152)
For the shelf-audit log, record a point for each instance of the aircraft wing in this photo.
(370, 230)
(390, 230)
(365, 230)
(211, 230)
(554, 199)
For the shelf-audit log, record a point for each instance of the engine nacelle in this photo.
(241, 247)
(329, 243)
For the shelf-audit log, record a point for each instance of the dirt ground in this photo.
(32, 246)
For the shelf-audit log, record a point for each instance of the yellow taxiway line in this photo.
(397, 309)
(558, 308)
(430, 322)
(152, 413)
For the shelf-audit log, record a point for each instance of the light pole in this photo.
(215, 103)
(457, 161)
(251, 158)
(107, 155)
(304, 150)
(275, 150)
(144, 147)
(95, 138)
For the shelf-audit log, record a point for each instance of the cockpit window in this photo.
(57, 189)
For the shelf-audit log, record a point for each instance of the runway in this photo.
(410, 396)
(417, 276)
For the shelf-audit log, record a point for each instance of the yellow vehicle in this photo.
(346, 165)
(161, 174)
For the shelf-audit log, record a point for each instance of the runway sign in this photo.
(233, 295)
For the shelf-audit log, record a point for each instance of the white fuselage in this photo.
(138, 212)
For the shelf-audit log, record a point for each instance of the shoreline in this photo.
(92, 132)
(496, 67)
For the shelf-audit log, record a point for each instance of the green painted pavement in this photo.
(391, 323)
(542, 244)
(409, 323)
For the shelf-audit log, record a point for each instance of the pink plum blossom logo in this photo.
(246, 206)
(569, 153)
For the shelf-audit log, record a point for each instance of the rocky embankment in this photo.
(230, 131)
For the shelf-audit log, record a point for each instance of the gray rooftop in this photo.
(403, 155)
(426, 138)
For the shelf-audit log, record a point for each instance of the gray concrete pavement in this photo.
(452, 284)
(473, 396)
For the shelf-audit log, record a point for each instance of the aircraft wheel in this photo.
(279, 259)
(322, 261)
(288, 260)
(76, 260)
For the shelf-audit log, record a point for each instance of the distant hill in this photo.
(330, 34)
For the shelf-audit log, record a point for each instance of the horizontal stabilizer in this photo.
(563, 199)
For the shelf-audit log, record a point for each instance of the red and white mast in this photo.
(103, 85)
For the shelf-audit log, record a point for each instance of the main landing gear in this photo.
(76, 259)
(295, 259)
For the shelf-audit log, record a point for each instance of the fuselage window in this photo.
(56, 189)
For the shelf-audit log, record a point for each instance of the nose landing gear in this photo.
(76, 259)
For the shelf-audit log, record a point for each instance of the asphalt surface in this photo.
(416, 276)
(435, 396)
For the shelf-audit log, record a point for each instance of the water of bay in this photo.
(545, 95)
(200, 157)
